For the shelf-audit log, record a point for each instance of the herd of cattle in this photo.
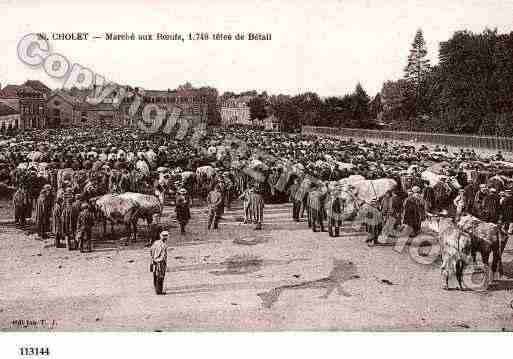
(146, 197)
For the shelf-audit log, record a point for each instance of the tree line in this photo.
(469, 91)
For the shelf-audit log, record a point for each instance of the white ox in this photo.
(434, 178)
(367, 190)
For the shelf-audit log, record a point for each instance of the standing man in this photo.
(478, 209)
(470, 191)
(371, 218)
(459, 203)
(44, 211)
(246, 196)
(491, 206)
(316, 208)
(414, 211)
(57, 221)
(390, 213)
(296, 204)
(154, 230)
(228, 190)
(85, 224)
(506, 212)
(158, 266)
(215, 204)
(183, 213)
(257, 207)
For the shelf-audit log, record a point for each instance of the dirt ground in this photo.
(45, 288)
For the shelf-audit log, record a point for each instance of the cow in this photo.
(367, 190)
(148, 204)
(126, 208)
(205, 177)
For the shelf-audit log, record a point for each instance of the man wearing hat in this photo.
(459, 203)
(182, 210)
(372, 217)
(215, 204)
(414, 211)
(478, 209)
(57, 221)
(491, 206)
(44, 211)
(154, 229)
(506, 211)
(158, 265)
(85, 224)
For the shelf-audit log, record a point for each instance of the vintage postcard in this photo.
(255, 166)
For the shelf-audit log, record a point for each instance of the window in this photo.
(83, 117)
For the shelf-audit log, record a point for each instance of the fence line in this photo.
(484, 142)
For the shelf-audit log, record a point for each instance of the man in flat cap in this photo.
(44, 211)
(414, 211)
(85, 224)
(158, 265)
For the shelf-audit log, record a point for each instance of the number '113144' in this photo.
(34, 351)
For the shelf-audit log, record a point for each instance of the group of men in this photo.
(108, 161)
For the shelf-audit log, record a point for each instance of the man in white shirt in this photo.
(158, 266)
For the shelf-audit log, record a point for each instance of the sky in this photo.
(322, 46)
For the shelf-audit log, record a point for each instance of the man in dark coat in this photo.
(154, 230)
(183, 213)
(57, 221)
(85, 224)
(478, 208)
(491, 206)
(414, 211)
(506, 212)
(296, 204)
(44, 211)
(470, 191)
(316, 209)
(370, 216)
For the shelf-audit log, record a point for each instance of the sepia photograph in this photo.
(239, 166)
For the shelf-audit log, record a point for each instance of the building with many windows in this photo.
(72, 109)
(235, 111)
(9, 117)
(29, 102)
(196, 105)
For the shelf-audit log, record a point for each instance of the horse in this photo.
(487, 239)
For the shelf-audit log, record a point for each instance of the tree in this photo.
(310, 105)
(398, 103)
(376, 108)
(418, 65)
(257, 108)
(360, 108)
(287, 113)
(416, 73)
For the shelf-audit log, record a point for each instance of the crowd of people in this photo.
(55, 173)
